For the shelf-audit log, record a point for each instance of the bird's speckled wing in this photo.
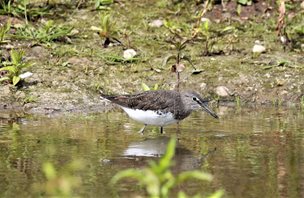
(149, 100)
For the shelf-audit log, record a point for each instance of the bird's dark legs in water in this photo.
(142, 129)
(161, 130)
(177, 129)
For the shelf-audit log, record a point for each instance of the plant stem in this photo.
(178, 80)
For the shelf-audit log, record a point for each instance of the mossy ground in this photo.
(68, 75)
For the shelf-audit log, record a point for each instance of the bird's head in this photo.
(194, 101)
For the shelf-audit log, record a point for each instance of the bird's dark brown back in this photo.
(149, 100)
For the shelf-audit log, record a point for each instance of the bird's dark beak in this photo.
(208, 110)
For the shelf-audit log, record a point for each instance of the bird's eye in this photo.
(194, 99)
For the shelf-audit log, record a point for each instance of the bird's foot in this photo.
(161, 130)
(142, 129)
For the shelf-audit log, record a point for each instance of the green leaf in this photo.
(145, 87)
(152, 182)
(217, 194)
(206, 25)
(228, 29)
(128, 173)
(194, 175)
(244, 2)
(106, 2)
(106, 24)
(16, 79)
(188, 59)
(10, 69)
(97, 4)
(165, 161)
(168, 24)
(155, 87)
(16, 56)
(4, 79)
(168, 58)
(49, 170)
(181, 194)
(16, 127)
(4, 29)
(239, 9)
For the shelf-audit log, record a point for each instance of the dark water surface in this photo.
(250, 153)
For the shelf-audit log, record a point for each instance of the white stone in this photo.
(25, 75)
(258, 47)
(283, 39)
(156, 23)
(267, 75)
(129, 53)
(284, 92)
(222, 91)
(203, 86)
(205, 19)
(74, 32)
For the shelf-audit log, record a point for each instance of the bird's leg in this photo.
(142, 129)
(161, 130)
(177, 128)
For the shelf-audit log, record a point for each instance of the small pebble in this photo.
(205, 19)
(258, 47)
(156, 23)
(222, 91)
(129, 53)
(25, 75)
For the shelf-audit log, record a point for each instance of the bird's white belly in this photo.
(150, 117)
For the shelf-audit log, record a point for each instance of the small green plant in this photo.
(23, 9)
(180, 42)
(145, 87)
(14, 67)
(238, 101)
(178, 67)
(100, 4)
(157, 178)
(62, 182)
(107, 30)
(7, 8)
(242, 3)
(3, 31)
(302, 102)
(48, 32)
(204, 29)
(30, 99)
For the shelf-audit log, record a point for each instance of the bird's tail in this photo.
(105, 96)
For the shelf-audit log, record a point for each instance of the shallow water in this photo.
(250, 153)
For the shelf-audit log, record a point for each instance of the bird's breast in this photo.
(150, 117)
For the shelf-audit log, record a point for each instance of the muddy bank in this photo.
(68, 74)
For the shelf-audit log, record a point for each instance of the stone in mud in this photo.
(222, 91)
(129, 53)
(38, 52)
(156, 23)
(258, 48)
(203, 86)
(79, 61)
